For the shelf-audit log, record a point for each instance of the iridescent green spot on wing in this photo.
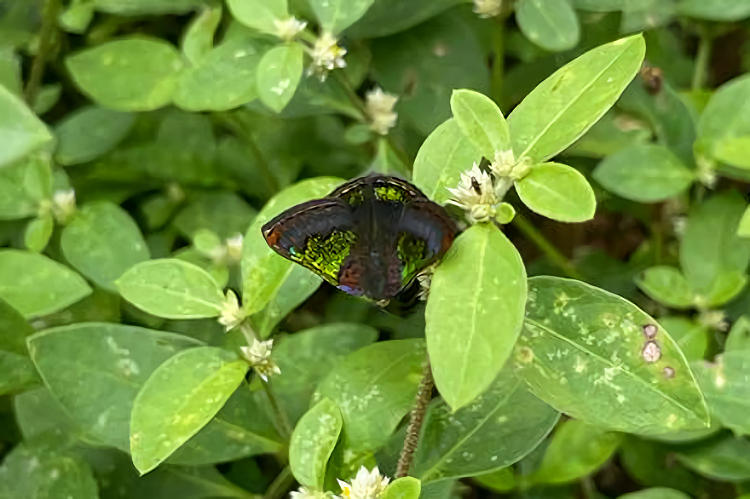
(391, 193)
(354, 197)
(324, 255)
(412, 252)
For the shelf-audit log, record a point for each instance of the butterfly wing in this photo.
(378, 188)
(317, 234)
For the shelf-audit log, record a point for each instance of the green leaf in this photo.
(645, 173)
(655, 493)
(444, 154)
(171, 288)
(387, 161)
(386, 17)
(223, 79)
(575, 450)
(312, 443)
(481, 121)
(501, 426)
(130, 74)
(337, 15)
(180, 397)
(102, 242)
(17, 198)
(263, 270)
(16, 370)
(199, 35)
(561, 108)
(727, 285)
(558, 192)
(21, 130)
(726, 384)
(739, 336)
(551, 24)
(278, 75)
(406, 487)
(36, 285)
(474, 312)
(223, 212)
(374, 387)
(724, 458)
(89, 133)
(703, 256)
(151, 7)
(38, 412)
(724, 124)
(714, 10)
(666, 285)
(259, 14)
(600, 359)
(38, 232)
(112, 361)
(691, 337)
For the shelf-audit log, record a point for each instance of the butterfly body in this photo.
(370, 237)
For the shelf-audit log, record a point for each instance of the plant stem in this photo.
(498, 61)
(416, 418)
(702, 59)
(280, 484)
(549, 249)
(282, 421)
(46, 37)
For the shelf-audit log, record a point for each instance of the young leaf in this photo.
(36, 285)
(566, 104)
(644, 172)
(37, 233)
(180, 397)
(406, 487)
(263, 270)
(374, 387)
(725, 458)
(715, 10)
(666, 285)
(739, 336)
(102, 242)
(575, 450)
(724, 123)
(259, 14)
(337, 15)
(726, 384)
(16, 370)
(551, 24)
(481, 121)
(474, 312)
(444, 154)
(691, 336)
(21, 130)
(726, 285)
(743, 229)
(130, 74)
(558, 192)
(278, 75)
(199, 36)
(89, 133)
(599, 358)
(312, 443)
(171, 288)
(501, 426)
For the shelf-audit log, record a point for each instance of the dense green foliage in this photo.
(587, 331)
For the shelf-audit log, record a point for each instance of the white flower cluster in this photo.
(365, 485)
(288, 29)
(488, 8)
(379, 107)
(63, 204)
(231, 314)
(259, 356)
(326, 56)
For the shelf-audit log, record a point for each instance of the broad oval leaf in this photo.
(36, 285)
(278, 75)
(387, 17)
(102, 242)
(337, 15)
(374, 387)
(645, 173)
(259, 14)
(21, 130)
(551, 24)
(558, 192)
(199, 34)
(89, 133)
(726, 384)
(131, 74)
(263, 270)
(38, 233)
(406, 487)
(481, 121)
(714, 10)
(151, 7)
(575, 450)
(692, 338)
(180, 397)
(599, 358)
(474, 312)
(171, 288)
(666, 285)
(655, 493)
(444, 154)
(501, 426)
(724, 123)
(16, 370)
(312, 443)
(722, 458)
(566, 104)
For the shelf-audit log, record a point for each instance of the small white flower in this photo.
(475, 193)
(326, 56)
(234, 248)
(64, 204)
(379, 107)
(488, 8)
(706, 170)
(307, 493)
(289, 28)
(712, 319)
(231, 313)
(259, 356)
(365, 485)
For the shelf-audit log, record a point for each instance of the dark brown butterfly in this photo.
(370, 237)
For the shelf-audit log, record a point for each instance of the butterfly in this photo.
(370, 237)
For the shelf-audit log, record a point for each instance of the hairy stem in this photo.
(549, 249)
(281, 420)
(416, 418)
(702, 59)
(280, 484)
(46, 39)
